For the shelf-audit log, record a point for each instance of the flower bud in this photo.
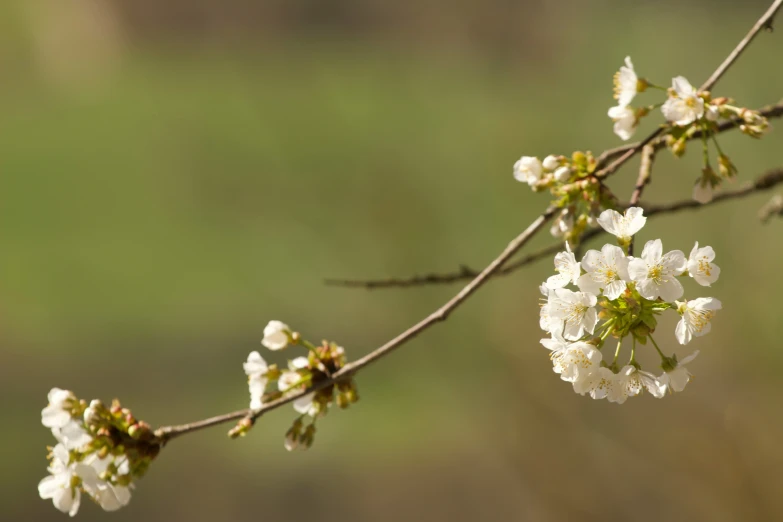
(551, 162)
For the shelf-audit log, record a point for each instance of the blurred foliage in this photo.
(164, 196)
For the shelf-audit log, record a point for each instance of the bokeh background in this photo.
(175, 174)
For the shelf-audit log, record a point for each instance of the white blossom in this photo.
(528, 169)
(568, 270)
(702, 191)
(288, 380)
(562, 173)
(551, 162)
(72, 435)
(276, 335)
(306, 406)
(683, 106)
(573, 313)
(625, 121)
(676, 379)
(655, 273)
(57, 413)
(630, 382)
(622, 225)
(573, 361)
(607, 270)
(545, 321)
(256, 368)
(626, 83)
(63, 483)
(597, 384)
(110, 497)
(696, 318)
(700, 265)
(563, 224)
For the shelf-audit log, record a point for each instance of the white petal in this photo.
(682, 332)
(671, 290)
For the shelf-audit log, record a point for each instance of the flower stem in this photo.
(632, 360)
(656, 347)
(617, 351)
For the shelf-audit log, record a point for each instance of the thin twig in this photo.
(167, 433)
(645, 171)
(764, 182)
(765, 22)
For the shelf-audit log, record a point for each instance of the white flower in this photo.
(702, 191)
(597, 384)
(607, 270)
(677, 378)
(551, 162)
(256, 368)
(655, 274)
(622, 225)
(57, 413)
(276, 335)
(528, 169)
(562, 173)
(625, 121)
(712, 112)
(545, 322)
(573, 361)
(288, 380)
(72, 435)
(111, 497)
(62, 485)
(306, 406)
(568, 270)
(700, 265)
(563, 224)
(573, 313)
(696, 317)
(630, 382)
(626, 83)
(684, 106)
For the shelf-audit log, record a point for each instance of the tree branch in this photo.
(169, 432)
(645, 172)
(166, 433)
(762, 183)
(765, 22)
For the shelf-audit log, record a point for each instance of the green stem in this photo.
(632, 361)
(617, 352)
(656, 347)
(717, 145)
(705, 148)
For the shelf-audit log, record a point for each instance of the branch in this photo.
(645, 172)
(762, 183)
(166, 433)
(769, 112)
(169, 432)
(765, 22)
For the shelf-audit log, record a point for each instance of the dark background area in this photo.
(175, 174)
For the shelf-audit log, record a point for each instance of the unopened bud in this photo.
(241, 429)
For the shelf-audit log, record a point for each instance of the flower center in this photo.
(704, 266)
(656, 273)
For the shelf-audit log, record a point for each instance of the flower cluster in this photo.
(99, 452)
(571, 181)
(688, 112)
(267, 383)
(620, 296)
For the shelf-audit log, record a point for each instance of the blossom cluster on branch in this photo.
(268, 382)
(100, 451)
(620, 296)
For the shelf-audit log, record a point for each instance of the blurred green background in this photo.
(175, 174)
